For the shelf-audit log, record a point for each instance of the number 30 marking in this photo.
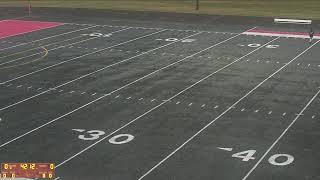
(93, 134)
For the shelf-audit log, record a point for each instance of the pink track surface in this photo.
(9, 28)
(282, 32)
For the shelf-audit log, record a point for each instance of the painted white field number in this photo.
(245, 155)
(288, 159)
(176, 39)
(97, 35)
(276, 159)
(89, 135)
(96, 134)
(258, 45)
(121, 139)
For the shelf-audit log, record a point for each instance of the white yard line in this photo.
(223, 113)
(281, 135)
(87, 104)
(86, 75)
(156, 107)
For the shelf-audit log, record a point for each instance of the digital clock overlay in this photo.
(28, 170)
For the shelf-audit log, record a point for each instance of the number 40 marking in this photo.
(248, 155)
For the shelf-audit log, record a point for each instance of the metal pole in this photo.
(29, 8)
(197, 4)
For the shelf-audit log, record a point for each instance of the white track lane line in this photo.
(59, 47)
(19, 52)
(46, 38)
(101, 69)
(62, 62)
(7, 62)
(77, 42)
(85, 105)
(223, 113)
(281, 135)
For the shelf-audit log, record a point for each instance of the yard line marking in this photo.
(106, 67)
(57, 64)
(203, 105)
(93, 94)
(92, 102)
(29, 87)
(190, 104)
(161, 104)
(281, 135)
(178, 102)
(117, 96)
(243, 109)
(47, 38)
(226, 111)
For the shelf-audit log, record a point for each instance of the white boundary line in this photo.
(46, 38)
(223, 113)
(186, 30)
(62, 62)
(281, 135)
(91, 102)
(31, 31)
(89, 74)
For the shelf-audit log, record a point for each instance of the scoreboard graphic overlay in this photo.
(27, 170)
